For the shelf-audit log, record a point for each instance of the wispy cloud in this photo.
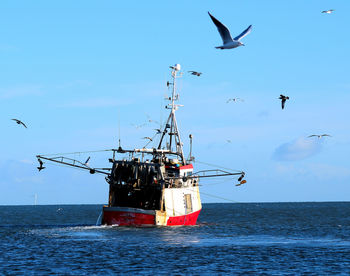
(263, 114)
(7, 47)
(298, 149)
(75, 83)
(327, 171)
(96, 102)
(20, 91)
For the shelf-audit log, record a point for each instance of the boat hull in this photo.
(123, 216)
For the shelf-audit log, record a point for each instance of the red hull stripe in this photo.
(187, 167)
(127, 218)
(140, 219)
(189, 219)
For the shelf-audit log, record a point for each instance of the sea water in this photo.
(250, 238)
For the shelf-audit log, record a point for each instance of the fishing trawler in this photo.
(152, 186)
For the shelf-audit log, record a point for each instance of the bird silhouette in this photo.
(195, 73)
(19, 122)
(149, 138)
(228, 42)
(283, 98)
(328, 11)
(41, 165)
(234, 100)
(319, 135)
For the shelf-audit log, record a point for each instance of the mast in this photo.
(171, 127)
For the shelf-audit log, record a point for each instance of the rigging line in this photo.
(219, 197)
(154, 136)
(77, 152)
(213, 165)
(68, 166)
(215, 183)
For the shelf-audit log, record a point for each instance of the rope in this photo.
(215, 166)
(77, 152)
(219, 197)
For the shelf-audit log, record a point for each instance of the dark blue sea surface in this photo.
(251, 238)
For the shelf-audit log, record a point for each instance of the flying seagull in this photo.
(138, 126)
(319, 135)
(195, 73)
(149, 138)
(234, 100)
(41, 165)
(19, 122)
(228, 42)
(328, 11)
(158, 130)
(283, 98)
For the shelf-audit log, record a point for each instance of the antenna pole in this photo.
(174, 132)
(119, 128)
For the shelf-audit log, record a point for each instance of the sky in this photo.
(77, 72)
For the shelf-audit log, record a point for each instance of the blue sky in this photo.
(72, 69)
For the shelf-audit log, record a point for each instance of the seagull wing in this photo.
(23, 124)
(224, 32)
(326, 135)
(244, 33)
(313, 135)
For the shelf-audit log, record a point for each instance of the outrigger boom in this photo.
(161, 190)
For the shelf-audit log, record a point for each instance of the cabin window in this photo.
(188, 203)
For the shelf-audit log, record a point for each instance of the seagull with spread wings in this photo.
(228, 42)
(195, 73)
(234, 100)
(319, 135)
(19, 122)
(328, 11)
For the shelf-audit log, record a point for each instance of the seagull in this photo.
(149, 120)
(228, 42)
(319, 135)
(149, 138)
(41, 165)
(328, 11)
(195, 73)
(19, 122)
(158, 130)
(283, 98)
(234, 100)
(228, 141)
(87, 161)
(138, 126)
